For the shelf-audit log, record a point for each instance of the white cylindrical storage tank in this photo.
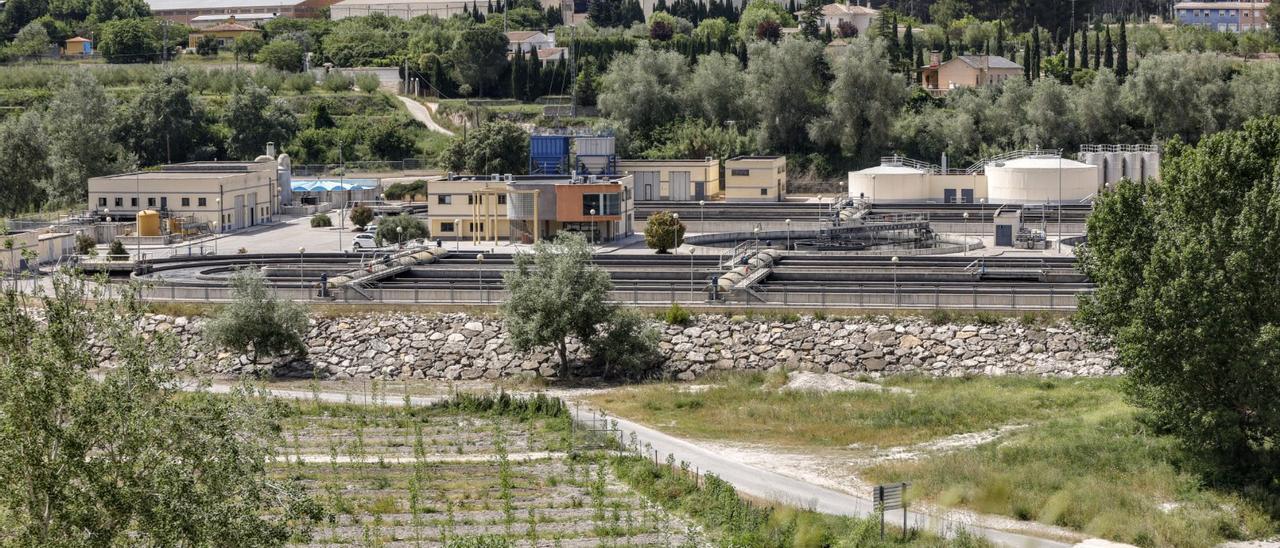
(889, 183)
(1034, 180)
(1151, 165)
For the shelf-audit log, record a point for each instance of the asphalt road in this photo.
(746, 479)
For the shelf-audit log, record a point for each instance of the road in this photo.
(746, 479)
(422, 113)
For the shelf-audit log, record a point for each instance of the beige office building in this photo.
(675, 180)
(525, 208)
(453, 206)
(755, 179)
(225, 195)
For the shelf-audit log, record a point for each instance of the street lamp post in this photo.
(675, 216)
(819, 211)
(755, 234)
(457, 235)
(895, 281)
(593, 226)
(215, 238)
(966, 233)
(302, 278)
(788, 234)
(400, 236)
(480, 275)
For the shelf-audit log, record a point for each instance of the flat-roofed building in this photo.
(184, 11)
(225, 195)
(676, 180)
(755, 179)
(524, 208)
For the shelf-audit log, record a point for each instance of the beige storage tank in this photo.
(1040, 179)
(889, 183)
(148, 223)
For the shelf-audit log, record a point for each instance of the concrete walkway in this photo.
(423, 113)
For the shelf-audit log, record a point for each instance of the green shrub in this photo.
(118, 251)
(986, 318)
(677, 315)
(86, 245)
(820, 315)
(367, 83)
(321, 220)
(940, 316)
(789, 317)
(411, 228)
(300, 83)
(337, 82)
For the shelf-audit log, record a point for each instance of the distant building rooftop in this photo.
(171, 5)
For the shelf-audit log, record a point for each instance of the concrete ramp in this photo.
(387, 267)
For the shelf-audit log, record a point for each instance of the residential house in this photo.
(859, 17)
(1223, 16)
(967, 71)
(528, 40)
(224, 34)
(249, 19)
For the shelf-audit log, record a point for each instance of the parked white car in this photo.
(363, 240)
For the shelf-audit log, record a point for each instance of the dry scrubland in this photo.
(1071, 452)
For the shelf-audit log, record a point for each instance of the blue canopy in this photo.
(318, 185)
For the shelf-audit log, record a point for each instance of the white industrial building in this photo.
(1017, 178)
(1115, 162)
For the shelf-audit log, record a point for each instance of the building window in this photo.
(151, 202)
(603, 204)
(102, 201)
(186, 202)
(740, 172)
(473, 226)
(446, 227)
(444, 199)
(120, 202)
(471, 199)
(764, 192)
(133, 202)
(201, 202)
(502, 199)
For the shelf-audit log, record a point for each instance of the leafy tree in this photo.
(337, 82)
(1185, 267)
(786, 91)
(31, 41)
(24, 157)
(663, 231)
(714, 90)
(1273, 19)
(81, 144)
(361, 216)
(367, 83)
(254, 120)
(282, 54)
(319, 117)
(389, 140)
(110, 10)
(846, 29)
(628, 347)
(760, 11)
(120, 456)
(86, 245)
(479, 56)
(1255, 91)
(768, 30)
(411, 228)
(809, 18)
(249, 45)
(556, 292)
(494, 147)
(640, 89)
(163, 124)
(697, 138)
(586, 86)
(207, 46)
(257, 321)
(943, 12)
(660, 27)
(864, 98)
(129, 41)
(1180, 94)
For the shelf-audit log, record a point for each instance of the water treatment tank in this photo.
(148, 223)
(1040, 179)
(889, 182)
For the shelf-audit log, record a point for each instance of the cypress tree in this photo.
(1000, 38)
(534, 87)
(1026, 61)
(1097, 51)
(895, 51)
(1108, 56)
(908, 44)
(1035, 53)
(1071, 52)
(490, 7)
(946, 49)
(1084, 49)
(827, 36)
(919, 63)
(1122, 54)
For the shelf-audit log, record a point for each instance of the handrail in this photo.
(1139, 147)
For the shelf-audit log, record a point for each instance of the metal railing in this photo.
(1140, 147)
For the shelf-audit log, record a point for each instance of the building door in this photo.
(948, 195)
(164, 203)
(647, 181)
(966, 195)
(237, 222)
(680, 186)
(1004, 235)
(700, 190)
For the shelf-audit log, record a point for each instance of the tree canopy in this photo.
(1187, 289)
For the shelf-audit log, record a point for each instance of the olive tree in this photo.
(400, 228)
(1186, 274)
(119, 457)
(555, 293)
(361, 216)
(864, 100)
(663, 231)
(257, 321)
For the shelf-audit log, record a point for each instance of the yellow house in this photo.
(675, 180)
(755, 179)
(225, 34)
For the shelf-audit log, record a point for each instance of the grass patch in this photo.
(733, 521)
(743, 408)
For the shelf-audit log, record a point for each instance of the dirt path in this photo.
(422, 113)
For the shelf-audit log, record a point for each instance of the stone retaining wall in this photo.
(461, 347)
